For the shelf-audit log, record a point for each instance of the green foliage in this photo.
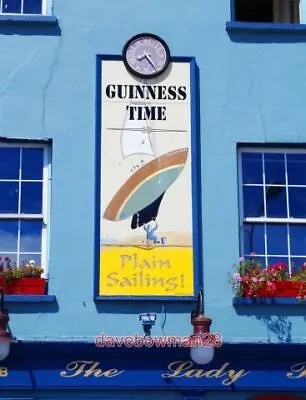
(10, 271)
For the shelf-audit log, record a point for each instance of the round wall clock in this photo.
(146, 55)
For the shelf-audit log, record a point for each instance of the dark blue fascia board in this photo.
(28, 19)
(265, 27)
(12, 298)
(239, 301)
(32, 349)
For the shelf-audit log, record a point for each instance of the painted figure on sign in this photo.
(151, 229)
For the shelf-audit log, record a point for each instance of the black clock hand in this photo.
(149, 58)
(139, 58)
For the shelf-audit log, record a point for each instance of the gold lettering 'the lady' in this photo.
(88, 368)
(181, 369)
(297, 371)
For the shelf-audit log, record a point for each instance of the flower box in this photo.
(279, 289)
(252, 279)
(7, 288)
(262, 291)
(290, 288)
(24, 286)
(29, 286)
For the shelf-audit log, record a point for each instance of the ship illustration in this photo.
(141, 195)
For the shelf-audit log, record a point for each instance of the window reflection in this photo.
(276, 202)
(30, 236)
(253, 203)
(296, 167)
(9, 197)
(275, 260)
(298, 239)
(252, 167)
(277, 239)
(32, 164)
(12, 258)
(21, 187)
(297, 202)
(31, 197)
(11, 6)
(32, 6)
(9, 162)
(283, 196)
(274, 168)
(261, 260)
(26, 257)
(8, 236)
(297, 263)
(254, 241)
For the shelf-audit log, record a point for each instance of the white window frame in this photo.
(46, 8)
(44, 216)
(302, 11)
(264, 220)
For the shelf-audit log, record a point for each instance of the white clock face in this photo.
(146, 56)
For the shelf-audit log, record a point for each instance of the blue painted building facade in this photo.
(251, 93)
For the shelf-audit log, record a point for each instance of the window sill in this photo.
(265, 27)
(16, 298)
(239, 301)
(25, 19)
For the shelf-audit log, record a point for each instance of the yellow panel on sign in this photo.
(132, 271)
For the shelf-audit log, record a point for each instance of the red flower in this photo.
(278, 266)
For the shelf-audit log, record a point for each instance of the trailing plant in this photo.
(250, 276)
(9, 270)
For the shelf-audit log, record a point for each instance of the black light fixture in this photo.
(5, 337)
(200, 351)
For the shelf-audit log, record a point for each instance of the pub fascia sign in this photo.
(81, 373)
(145, 227)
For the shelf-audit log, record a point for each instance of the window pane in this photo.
(297, 202)
(30, 236)
(32, 164)
(274, 260)
(12, 259)
(276, 202)
(297, 263)
(29, 257)
(253, 204)
(9, 197)
(262, 260)
(254, 11)
(297, 239)
(32, 6)
(11, 6)
(257, 259)
(8, 236)
(31, 198)
(277, 239)
(275, 168)
(251, 167)
(9, 162)
(296, 168)
(253, 236)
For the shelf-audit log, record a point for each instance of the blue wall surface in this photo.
(252, 89)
